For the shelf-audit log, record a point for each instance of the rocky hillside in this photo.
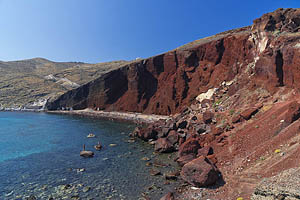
(30, 82)
(268, 51)
(234, 99)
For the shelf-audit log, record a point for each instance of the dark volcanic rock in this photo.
(182, 124)
(200, 172)
(147, 133)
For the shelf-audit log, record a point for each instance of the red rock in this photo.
(169, 196)
(208, 138)
(181, 141)
(163, 145)
(207, 117)
(247, 114)
(236, 119)
(173, 137)
(185, 159)
(293, 112)
(205, 151)
(200, 172)
(212, 158)
(217, 131)
(190, 146)
(161, 84)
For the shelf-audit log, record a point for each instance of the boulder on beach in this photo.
(200, 172)
(163, 145)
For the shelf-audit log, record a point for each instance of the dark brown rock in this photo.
(135, 132)
(172, 175)
(148, 133)
(155, 172)
(200, 172)
(201, 128)
(293, 112)
(163, 145)
(182, 124)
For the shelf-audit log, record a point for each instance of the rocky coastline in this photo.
(233, 99)
(225, 108)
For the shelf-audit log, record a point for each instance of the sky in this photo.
(96, 31)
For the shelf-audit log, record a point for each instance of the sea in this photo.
(39, 159)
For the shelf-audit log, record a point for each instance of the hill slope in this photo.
(27, 81)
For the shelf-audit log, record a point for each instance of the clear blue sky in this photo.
(104, 30)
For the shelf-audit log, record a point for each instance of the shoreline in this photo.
(137, 118)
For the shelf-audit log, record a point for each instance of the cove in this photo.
(39, 156)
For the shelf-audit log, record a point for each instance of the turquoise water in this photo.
(39, 155)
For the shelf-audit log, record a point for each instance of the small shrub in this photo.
(277, 151)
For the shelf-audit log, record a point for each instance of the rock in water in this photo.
(98, 146)
(200, 172)
(87, 154)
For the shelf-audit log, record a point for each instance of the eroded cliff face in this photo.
(164, 84)
(267, 53)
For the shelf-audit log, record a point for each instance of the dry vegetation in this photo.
(24, 82)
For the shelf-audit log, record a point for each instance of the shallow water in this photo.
(39, 155)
